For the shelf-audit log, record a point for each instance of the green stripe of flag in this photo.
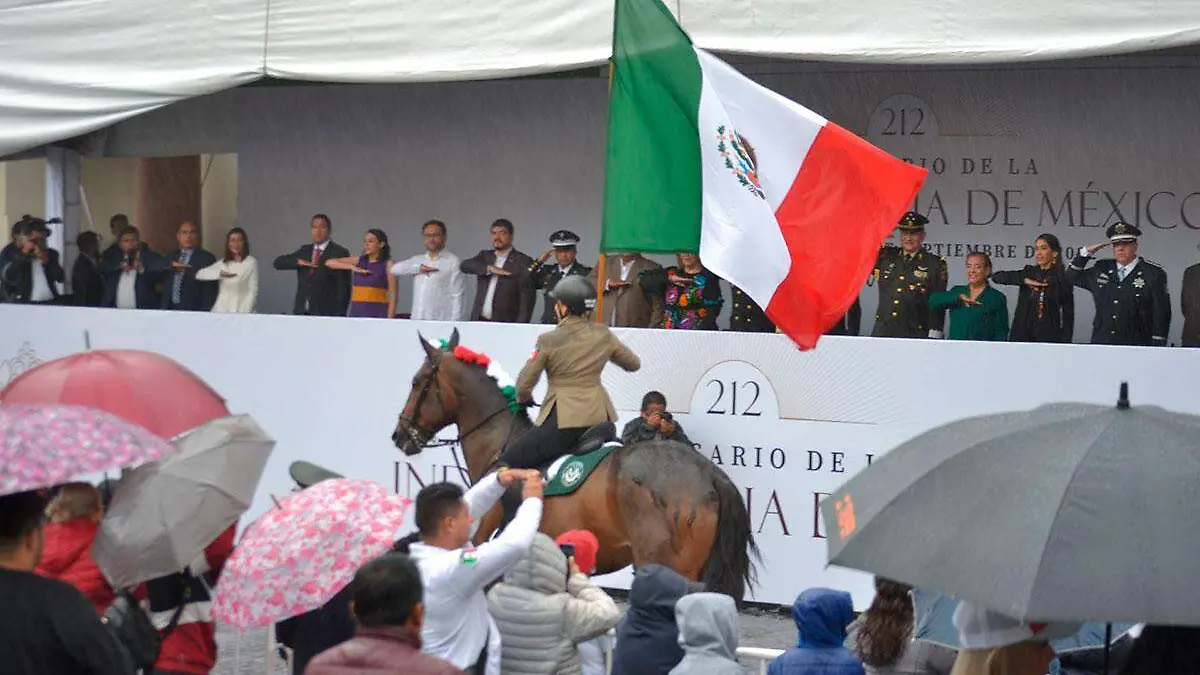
(652, 182)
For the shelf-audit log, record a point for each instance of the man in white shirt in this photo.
(438, 284)
(457, 625)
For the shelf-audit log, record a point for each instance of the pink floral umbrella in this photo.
(45, 445)
(296, 557)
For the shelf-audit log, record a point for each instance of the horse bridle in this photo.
(415, 430)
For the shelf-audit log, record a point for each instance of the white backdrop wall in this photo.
(788, 426)
(1012, 152)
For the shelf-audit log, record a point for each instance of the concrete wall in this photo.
(110, 187)
(23, 191)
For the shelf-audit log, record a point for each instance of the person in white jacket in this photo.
(238, 274)
(457, 625)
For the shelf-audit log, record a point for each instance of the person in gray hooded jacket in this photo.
(708, 633)
(544, 608)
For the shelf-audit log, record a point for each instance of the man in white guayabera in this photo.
(438, 284)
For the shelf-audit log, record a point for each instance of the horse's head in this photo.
(432, 404)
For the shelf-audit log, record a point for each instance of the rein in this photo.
(416, 431)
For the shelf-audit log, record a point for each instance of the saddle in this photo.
(592, 440)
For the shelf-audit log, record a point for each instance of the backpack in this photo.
(129, 624)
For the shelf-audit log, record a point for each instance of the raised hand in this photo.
(532, 486)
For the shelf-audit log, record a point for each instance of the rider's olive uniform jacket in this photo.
(573, 355)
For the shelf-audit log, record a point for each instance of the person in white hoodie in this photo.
(457, 625)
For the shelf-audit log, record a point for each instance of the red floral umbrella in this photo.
(145, 388)
(296, 557)
(44, 445)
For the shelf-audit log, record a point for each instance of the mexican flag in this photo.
(778, 201)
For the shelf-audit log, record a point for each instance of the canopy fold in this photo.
(74, 66)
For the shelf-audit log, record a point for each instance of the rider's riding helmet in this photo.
(576, 293)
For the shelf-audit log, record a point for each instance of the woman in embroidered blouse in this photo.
(977, 311)
(373, 295)
(1046, 300)
(693, 298)
(238, 274)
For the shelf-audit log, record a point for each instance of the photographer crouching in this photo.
(31, 273)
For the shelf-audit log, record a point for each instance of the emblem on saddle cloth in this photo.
(575, 470)
(571, 473)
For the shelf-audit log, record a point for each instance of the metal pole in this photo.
(601, 264)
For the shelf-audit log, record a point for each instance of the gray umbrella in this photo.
(165, 513)
(1068, 512)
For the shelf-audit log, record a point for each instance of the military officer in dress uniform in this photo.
(546, 275)
(1132, 303)
(747, 316)
(906, 276)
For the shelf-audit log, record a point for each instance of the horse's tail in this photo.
(730, 566)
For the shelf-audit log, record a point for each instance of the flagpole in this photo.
(601, 264)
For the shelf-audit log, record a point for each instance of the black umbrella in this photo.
(1068, 512)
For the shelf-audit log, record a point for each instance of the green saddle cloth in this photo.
(575, 471)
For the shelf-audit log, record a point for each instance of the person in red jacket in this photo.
(387, 600)
(75, 515)
(181, 608)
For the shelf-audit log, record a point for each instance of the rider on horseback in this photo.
(572, 355)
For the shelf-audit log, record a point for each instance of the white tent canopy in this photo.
(73, 67)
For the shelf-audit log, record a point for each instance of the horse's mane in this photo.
(493, 374)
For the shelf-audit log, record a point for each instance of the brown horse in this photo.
(655, 502)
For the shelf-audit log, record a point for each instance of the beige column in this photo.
(167, 193)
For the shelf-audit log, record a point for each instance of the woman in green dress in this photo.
(977, 311)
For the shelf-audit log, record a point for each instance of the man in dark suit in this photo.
(1189, 300)
(113, 254)
(181, 290)
(87, 285)
(1132, 304)
(32, 277)
(849, 323)
(906, 276)
(505, 290)
(320, 291)
(129, 279)
(545, 275)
